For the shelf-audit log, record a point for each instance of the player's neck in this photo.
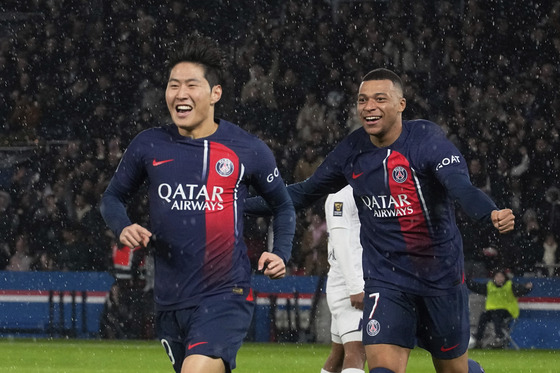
(203, 130)
(383, 140)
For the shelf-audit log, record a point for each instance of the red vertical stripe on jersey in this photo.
(407, 201)
(220, 224)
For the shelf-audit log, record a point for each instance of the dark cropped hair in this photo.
(200, 50)
(495, 271)
(384, 74)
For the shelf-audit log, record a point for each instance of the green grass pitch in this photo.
(96, 356)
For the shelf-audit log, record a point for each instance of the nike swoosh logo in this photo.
(355, 176)
(196, 344)
(157, 163)
(443, 349)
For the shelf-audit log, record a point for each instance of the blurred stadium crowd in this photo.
(79, 79)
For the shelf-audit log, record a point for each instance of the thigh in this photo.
(346, 321)
(203, 364)
(501, 315)
(443, 327)
(170, 327)
(214, 328)
(485, 316)
(335, 334)
(219, 326)
(389, 318)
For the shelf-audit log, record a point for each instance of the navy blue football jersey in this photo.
(405, 196)
(196, 191)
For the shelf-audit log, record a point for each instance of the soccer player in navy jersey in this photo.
(406, 176)
(198, 171)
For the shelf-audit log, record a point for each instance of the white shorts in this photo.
(346, 321)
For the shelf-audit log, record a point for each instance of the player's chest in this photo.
(194, 164)
(383, 172)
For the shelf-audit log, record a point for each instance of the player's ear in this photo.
(402, 104)
(216, 94)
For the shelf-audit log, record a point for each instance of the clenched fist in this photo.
(503, 220)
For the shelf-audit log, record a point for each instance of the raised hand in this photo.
(503, 220)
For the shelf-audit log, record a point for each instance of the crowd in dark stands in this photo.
(79, 79)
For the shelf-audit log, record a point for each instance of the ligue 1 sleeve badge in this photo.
(337, 209)
(224, 167)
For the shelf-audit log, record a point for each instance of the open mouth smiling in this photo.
(372, 118)
(183, 108)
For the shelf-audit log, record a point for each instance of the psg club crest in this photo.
(224, 167)
(373, 327)
(400, 174)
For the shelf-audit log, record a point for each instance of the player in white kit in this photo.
(345, 284)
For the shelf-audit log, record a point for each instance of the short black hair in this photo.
(384, 74)
(495, 271)
(201, 50)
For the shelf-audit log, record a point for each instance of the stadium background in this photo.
(80, 79)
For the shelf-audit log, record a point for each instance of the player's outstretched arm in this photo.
(135, 235)
(503, 220)
(274, 267)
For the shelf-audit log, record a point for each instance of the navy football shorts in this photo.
(439, 324)
(215, 327)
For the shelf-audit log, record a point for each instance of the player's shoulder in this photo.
(162, 132)
(340, 204)
(343, 195)
(345, 192)
(356, 137)
(423, 127)
(354, 142)
(150, 136)
(234, 132)
(231, 128)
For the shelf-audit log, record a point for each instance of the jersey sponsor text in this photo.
(192, 197)
(387, 206)
(447, 161)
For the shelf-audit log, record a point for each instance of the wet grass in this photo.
(66, 356)
(84, 356)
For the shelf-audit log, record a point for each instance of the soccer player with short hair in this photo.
(406, 176)
(198, 171)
